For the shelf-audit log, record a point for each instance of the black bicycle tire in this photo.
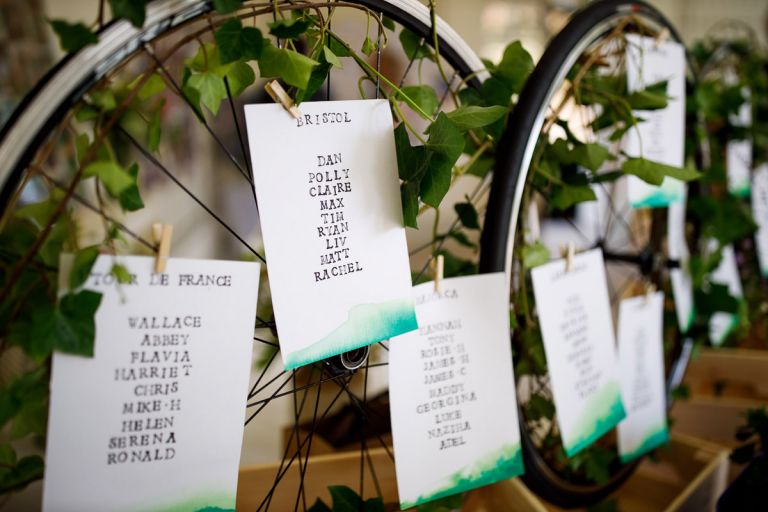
(509, 179)
(8, 183)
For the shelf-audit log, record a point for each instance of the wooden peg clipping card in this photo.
(278, 94)
(162, 233)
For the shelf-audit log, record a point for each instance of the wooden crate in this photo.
(723, 383)
(690, 475)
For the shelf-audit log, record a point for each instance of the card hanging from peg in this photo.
(278, 94)
(162, 234)
(568, 252)
(650, 289)
(437, 264)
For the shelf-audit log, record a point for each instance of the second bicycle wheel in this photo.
(554, 184)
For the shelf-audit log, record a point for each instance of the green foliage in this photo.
(422, 95)
(345, 499)
(467, 214)
(413, 46)
(236, 42)
(514, 68)
(226, 6)
(134, 11)
(295, 69)
(471, 117)
(534, 254)
(114, 178)
(654, 172)
(289, 28)
(82, 265)
(72, 36)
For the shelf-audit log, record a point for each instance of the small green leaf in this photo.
(289, 28)
(388, 23)
(409, 195)
(411, 160)
(467, 214)
(211, 89)
(422, 95)
(114, 177)
(134, 11)
(7, 455)
(481, 166)
(653, 97)
(31, 419)
(654, 172)
(240, 76)
(27, 470)
(413, 46)
(73, 36)
(344, 499)
(591, 156)
(597, 464)
(130, 198)
(445, 138)
(75, 327)
(295, 69)
(331, 58)
(154, 85)
(538, 408)
(121, 274)
(462, 239)
(471, 117)
(535, 254)
(236, 42)
(104, 99)
(374, 505)
(319, 506)
(445, 144)
(154, 131)
(226, 6)
(82, 265)
(565, 196)
(368, 46)
(515, 66)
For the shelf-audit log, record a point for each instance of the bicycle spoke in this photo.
(149, 156)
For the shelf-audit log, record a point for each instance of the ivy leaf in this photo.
(471, 117)
(316, 81)
(539, 407)
(27, 470)
(82, 265)
(75, 327)
(413, 46)
(154, 131)
(653, 97)
(239, 75)
(422, 95)
(331, 58)
(654, 172)
(130, 198)
(121, 274)
(467, 214)
(445, 145)
(134, 11)
(104, 99)
(295, 69)
(154, 85)
(319, 506)
(344, 499)
(109, 172)
(236, 42)
(462, 239)
(409, 195)
(597, 465)
(368, 46)
(7, 455)
(226, 6)
(481, 166)
(31, 419)
(411, 160)
(515, 66)
(565, 196)
(388, 23)
(289, 28)
(591, 156)
(73, 36)
(535, 254)
(210, 87)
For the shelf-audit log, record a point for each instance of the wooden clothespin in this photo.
(650, 289)
(569, 251)
(162, 234)
(276, 91)
(437, 270)
(662, 36)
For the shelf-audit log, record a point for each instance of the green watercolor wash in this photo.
(655, 437)
(507, 462)
(600, 413)
(742, 190)
(659, 198)
(735, 320)
(213, 502)
(365, 324)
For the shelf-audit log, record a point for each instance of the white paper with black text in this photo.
(660, 136)
(722, 323)
(760, 215)
(329, 202)
(452, 391)
(576, 326)
(641, 363)
(738, 153)
(680, 276)
(154, 421)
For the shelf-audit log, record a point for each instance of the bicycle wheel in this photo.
(632, 250)
(334, 401)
